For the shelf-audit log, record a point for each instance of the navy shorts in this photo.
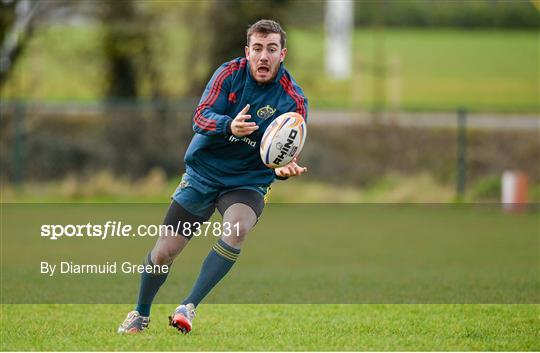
(201, 199)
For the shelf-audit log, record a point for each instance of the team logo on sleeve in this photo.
(265, 112)
(183, 183)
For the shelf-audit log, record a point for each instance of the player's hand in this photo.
(239, 126)
(290, 170)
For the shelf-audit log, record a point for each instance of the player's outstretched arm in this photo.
(240, 127)
(290, 170)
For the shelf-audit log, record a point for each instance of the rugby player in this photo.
(223, 167)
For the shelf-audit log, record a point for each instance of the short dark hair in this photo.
(266, 27)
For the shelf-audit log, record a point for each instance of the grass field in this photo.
(154, 188)
(378, 254)
(438, 70)
(280, 294)
(278, 327)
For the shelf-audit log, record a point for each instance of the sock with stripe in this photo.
(150, 284)
(216, 265)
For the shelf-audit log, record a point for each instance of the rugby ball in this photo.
(283, 140)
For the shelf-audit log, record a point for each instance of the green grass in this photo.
(299, 262)
(392, 188)
(439, 69)
(278, 327)
(105, 187)
(378, 254)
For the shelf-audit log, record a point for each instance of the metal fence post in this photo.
(461, 154)
(18, 151)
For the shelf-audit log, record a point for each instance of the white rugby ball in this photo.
(283, 140)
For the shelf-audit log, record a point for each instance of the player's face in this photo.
(265, 54)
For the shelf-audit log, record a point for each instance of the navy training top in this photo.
(216, 157)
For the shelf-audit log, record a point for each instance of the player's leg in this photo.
(167, 247)
(193, 204)
(240, 209)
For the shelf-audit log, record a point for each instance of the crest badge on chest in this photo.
(265, 112)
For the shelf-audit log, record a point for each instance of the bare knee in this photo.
(239, 231)
(240, 219)
(167, 248)
(161, 257)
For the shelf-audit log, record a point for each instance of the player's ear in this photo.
(246, 49)
(283, 54)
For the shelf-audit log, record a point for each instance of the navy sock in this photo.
(150, 284)
(216, 265)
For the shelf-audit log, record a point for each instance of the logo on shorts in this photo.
(265, 112)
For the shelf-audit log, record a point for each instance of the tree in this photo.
(17, 20)
(127, 48)
(231, 18)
